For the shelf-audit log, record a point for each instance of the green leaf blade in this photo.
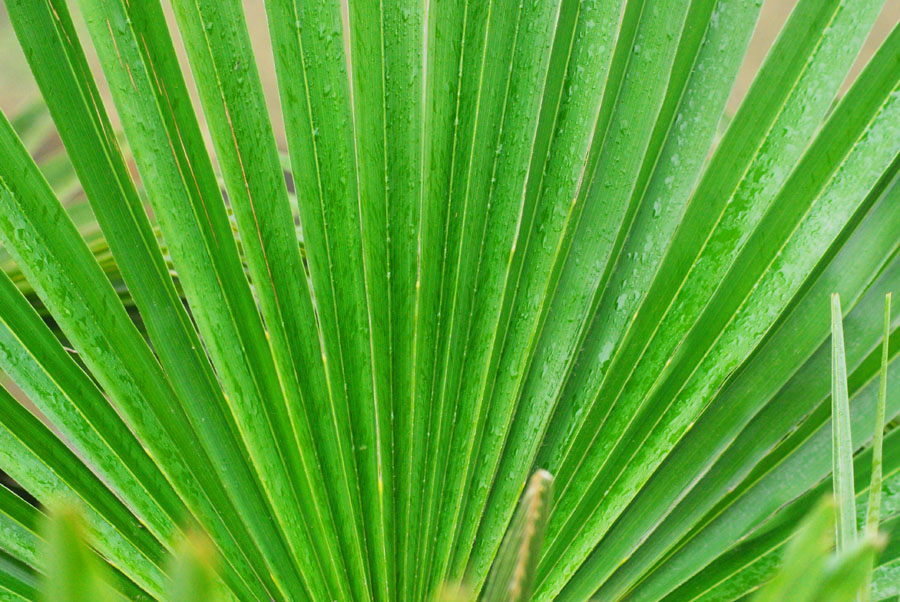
(845, 523)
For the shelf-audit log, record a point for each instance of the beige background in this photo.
(17, 88)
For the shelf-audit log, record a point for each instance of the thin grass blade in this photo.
(842, 448)
(873, 509)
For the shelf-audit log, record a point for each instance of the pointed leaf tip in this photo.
(842, 442)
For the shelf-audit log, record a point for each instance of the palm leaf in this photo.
(514, 237)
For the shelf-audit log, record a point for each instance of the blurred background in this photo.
(18, 91)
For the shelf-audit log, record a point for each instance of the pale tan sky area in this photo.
(17, 89)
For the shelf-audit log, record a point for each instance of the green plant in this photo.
(826, 558)
(524, 246)
(74, 573)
